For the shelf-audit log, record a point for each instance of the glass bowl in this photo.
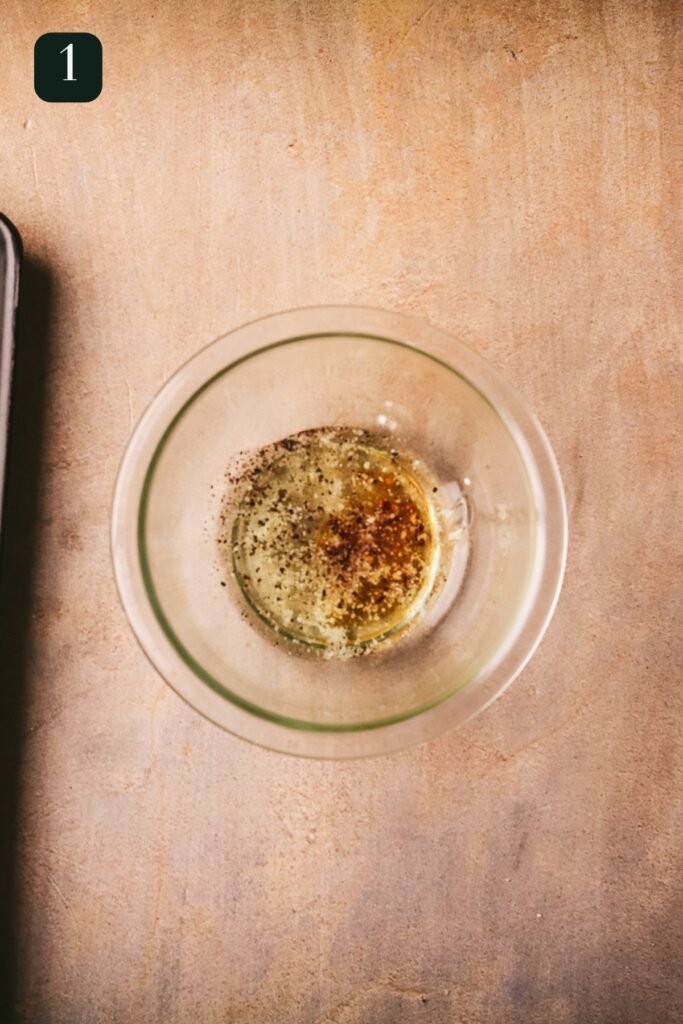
(434, 398)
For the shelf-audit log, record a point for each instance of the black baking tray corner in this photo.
(10, 261)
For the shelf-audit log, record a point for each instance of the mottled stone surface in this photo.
(506, 169)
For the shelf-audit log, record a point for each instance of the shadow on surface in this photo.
(21, 529)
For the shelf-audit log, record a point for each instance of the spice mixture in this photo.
(334, 541)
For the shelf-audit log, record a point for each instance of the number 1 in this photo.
(69, 51)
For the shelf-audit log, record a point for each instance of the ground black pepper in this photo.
(340, 528)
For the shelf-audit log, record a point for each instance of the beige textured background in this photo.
(507, 170)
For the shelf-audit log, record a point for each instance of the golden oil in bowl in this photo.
(334, 540)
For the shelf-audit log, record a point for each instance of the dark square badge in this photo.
(67, 67)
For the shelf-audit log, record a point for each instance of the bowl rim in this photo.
(143, 607)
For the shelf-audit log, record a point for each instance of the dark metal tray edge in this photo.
(10, 261)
